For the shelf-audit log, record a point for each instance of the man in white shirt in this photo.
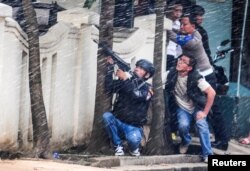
(173, 50)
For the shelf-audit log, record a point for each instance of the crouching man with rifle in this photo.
(129, 112)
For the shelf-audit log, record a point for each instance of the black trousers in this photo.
(216, 118)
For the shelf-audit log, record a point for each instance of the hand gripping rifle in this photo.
(119, 63)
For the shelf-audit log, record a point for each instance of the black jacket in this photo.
(131, 103)
(193, 91)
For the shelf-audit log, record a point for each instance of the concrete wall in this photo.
(68, 64)
(12, 51)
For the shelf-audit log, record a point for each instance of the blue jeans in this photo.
(117, 129)
(184, 120)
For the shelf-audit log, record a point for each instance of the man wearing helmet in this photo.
(130, 107)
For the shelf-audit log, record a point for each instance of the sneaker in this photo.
(119, 151)
(205, 160)
(136, 152)
(223, 145)
(183, 148)
(174, 137)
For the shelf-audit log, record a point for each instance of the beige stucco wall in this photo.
(68, 64)
(66, 3)
(12, 46)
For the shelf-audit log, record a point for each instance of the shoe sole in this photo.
(183, 150)
(136, 155)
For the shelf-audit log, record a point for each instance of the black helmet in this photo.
(147, 66)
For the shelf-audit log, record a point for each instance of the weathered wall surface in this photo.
(68, 64)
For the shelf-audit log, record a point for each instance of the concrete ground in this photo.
(43, 165)
(109, 163)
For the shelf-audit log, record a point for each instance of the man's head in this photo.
(174, 9)
(198, 11)
(185, 63)
(144, 69)
(187, 24)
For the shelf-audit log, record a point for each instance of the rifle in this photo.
(117, 60)
(121, 65)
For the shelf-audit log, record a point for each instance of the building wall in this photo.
(66, 3)
(12, 53)
(68, 64)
